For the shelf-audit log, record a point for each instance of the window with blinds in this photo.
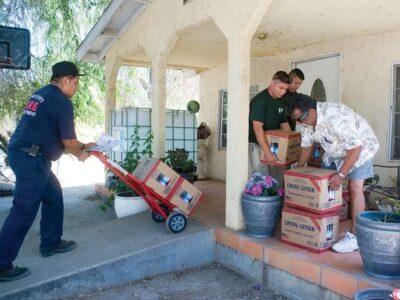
(223, 114)
(395, 132)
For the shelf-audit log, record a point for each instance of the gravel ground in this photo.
(213, 281)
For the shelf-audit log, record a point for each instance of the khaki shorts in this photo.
(255, 165)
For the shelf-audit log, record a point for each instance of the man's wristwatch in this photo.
(341, 175)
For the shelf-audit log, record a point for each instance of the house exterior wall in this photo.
(366, 81)
(211, 83)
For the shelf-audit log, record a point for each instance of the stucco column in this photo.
(158, 102)
(111, 70)
(237, 143)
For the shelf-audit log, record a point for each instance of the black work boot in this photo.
(14, 274)
(64, 246)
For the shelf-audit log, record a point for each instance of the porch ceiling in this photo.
(293, 24)
(290, 25)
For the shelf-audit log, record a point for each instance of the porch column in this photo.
(111, 70)
(158, 102)
(238, 113)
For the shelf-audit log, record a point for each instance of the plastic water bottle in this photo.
(274, 148)
(329, 232)
(316, 152)
(331, 194)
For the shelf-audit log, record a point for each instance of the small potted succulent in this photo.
(179, 161)
(262, 205)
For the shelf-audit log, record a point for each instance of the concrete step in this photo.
(109, 253)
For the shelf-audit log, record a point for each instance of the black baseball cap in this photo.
(65, 68)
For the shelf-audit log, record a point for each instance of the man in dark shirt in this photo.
(45, 131)
(267, 112)
(297, 78)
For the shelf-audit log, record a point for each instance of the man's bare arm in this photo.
(262, 141)
(76, 148)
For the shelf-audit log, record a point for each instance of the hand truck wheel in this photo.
(176, 222)
(158, 217)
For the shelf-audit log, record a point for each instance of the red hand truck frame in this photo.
(162, 209)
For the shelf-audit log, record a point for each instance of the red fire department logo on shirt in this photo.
(32, 105)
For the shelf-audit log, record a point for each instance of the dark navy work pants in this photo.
(35, 184)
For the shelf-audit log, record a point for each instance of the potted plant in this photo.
(262, 205)
(378, 237)
(179, 161)
(377, 293)
(126, 202)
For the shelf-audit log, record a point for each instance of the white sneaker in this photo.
(347, 244)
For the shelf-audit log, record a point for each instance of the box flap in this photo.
(310, 214)
(311, 173)
(282, 133)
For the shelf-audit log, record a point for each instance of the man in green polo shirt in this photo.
(297, 78)
(267, 112)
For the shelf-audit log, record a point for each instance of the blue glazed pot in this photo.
(373, 294)
(261, 214)
(379, 244)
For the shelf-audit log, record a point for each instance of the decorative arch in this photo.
(318, 91)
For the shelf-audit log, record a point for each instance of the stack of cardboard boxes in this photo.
(310, 218)
(168, 184)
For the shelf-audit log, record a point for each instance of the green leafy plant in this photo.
(4, 139)
(392, 208)
(131, 161)
(179, 161)
(63, 25)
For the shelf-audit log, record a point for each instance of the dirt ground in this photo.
(212, 281)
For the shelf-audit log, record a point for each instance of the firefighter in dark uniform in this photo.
(45, 131)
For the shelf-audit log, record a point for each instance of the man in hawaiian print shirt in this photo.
(350, 145)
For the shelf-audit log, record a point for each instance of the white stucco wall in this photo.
(366, 80)
(211, 83)
(366, 83)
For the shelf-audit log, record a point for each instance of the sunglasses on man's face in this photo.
(303, 116)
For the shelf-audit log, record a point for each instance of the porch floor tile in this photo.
(339, 272)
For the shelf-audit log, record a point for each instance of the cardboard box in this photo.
(344, 210)
(308, 189)
(186, 196)
(285, 145)
(310, 231)
(157, 176)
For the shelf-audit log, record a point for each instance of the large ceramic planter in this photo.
(370, 294)
(126, 204)
(261, 214)
(379, 244)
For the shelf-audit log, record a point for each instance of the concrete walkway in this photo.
(108, 253)
(110, 250)
(77, 211)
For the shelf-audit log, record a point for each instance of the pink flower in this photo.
(261, 184)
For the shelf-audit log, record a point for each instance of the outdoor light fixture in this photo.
(262, 35)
